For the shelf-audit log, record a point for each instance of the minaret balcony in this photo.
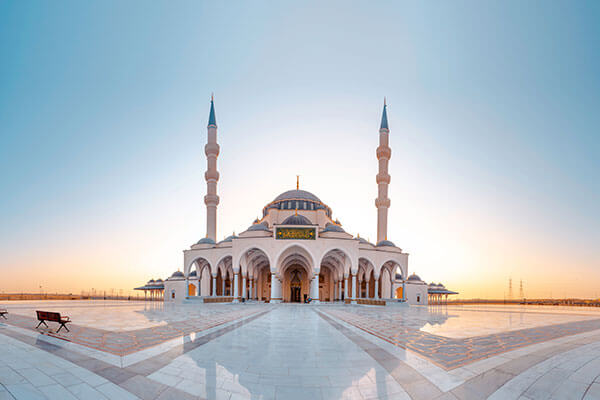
(383, 178)
(384, 152)
(211, 149)
(211, 200)
(382, 202)
(211, 175)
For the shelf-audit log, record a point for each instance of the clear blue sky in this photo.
(494, 115)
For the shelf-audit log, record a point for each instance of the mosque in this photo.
(296, 252)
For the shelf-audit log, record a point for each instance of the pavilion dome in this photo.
(193, 273)
(385, 243)
(177, 274)
(414, 278)
(297, 195)
(296, 220)
(398, 276)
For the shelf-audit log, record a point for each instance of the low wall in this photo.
(218, 299)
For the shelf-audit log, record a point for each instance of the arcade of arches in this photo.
(294, 280)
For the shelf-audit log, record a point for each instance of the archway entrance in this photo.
(295, 287)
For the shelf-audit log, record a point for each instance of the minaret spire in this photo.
(212, 120)
(384, 153)
(212, 175)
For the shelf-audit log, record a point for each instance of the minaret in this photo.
(384, 153)
(212, 175)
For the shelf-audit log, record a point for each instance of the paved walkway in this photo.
(290, 353)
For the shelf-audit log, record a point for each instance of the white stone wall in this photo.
(416, 293)
(175, 291)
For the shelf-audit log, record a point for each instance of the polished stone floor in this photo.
(123, 350)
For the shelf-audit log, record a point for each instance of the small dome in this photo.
(385, 243)
(159, 281)
(329, 227)
(296, 220)
(228, 238)
(440, 285)
(177, 274)
(414, 278)
(297, 195)
(263, 226)
(363, 240)
(193, 273)
(206, 241)
(398, 276)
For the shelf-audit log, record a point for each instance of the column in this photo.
(223, 286)
(353, 289)
(244, 290)
(275, 294)
(403, 291)
(316, 298)
(251, 296)
(376, 289)
(367, 296)
(279, 290)
(214, 286)
(346, 295)
(339, 290)
(187, 286)
(236, 287)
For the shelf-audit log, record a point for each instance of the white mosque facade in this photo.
(296, 251)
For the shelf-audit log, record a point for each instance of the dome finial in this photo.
(297, 182)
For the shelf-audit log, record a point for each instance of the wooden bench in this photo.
(3, 312)
(44, 316)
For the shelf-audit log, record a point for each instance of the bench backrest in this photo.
(48, 316)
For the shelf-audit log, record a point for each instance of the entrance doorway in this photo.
(295, 287)
(295, 295)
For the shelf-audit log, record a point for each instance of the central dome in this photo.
(297, 200)
(297, 195)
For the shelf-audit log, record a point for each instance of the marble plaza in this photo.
(156, 350)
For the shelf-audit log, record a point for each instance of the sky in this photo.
(494, 128)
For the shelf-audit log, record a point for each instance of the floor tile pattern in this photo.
(128, 342)
(450, 353)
